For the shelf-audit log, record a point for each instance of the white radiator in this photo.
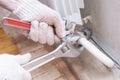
(69, 9)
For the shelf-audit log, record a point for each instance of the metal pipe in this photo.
(96, 52)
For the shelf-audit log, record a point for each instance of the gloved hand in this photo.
(10, 68)
(41, 32)
(31, 10)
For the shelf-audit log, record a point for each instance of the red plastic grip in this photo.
(16, 23)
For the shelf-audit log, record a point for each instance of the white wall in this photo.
(106, 24)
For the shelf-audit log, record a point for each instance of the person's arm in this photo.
(34, 10)
(10, 4)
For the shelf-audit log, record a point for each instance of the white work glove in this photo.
(31, 10)
(41, 32)
(10, 68)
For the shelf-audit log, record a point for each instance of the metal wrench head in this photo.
(69, 47)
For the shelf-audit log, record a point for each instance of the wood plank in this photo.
(5, 37)
(56, 70)
(6, 44)
(64, 69)
(47, 72)
(87, 67)
(1, 31)
(11, 49)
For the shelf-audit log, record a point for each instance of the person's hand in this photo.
(31, 10)
(41, 32)
(10, 68)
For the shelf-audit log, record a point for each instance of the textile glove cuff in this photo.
(28, 9)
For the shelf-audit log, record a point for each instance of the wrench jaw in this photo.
(74, 50)
(69, 47)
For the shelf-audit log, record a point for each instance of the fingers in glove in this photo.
(59, 25)
(42, 32)
(22, 59)
(57, 40)
(33, 34)
(25, 33)
(10, 68)
(50, 36)
(27, 75)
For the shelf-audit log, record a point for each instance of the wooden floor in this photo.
(6, 44)
(85, 67)
(56, 70)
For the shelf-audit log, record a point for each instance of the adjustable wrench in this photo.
(66, 49)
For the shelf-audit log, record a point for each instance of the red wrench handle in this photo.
(16, 23)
